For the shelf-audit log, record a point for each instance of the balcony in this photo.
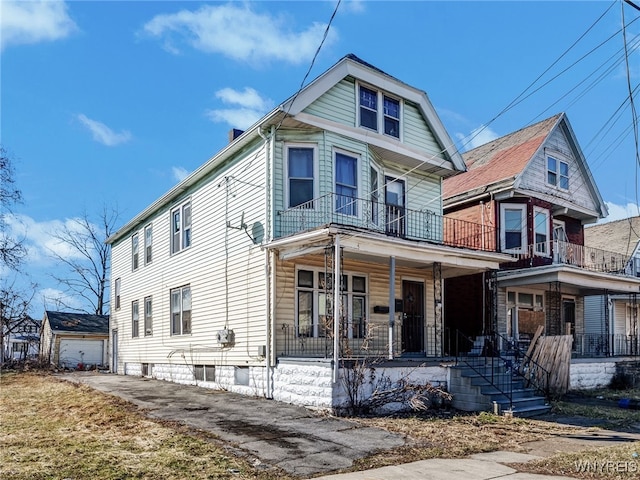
(588, 258)
(387, 219)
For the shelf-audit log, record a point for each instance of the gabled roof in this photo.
(77, 322)
(450, 162)
(498, 164)
(620, 236)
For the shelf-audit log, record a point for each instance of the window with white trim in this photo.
(181, 227)
(135, 319)
(513, 230)
(135, 252)
(148, 243)
(181, 310)
(346, 187)
(148, 316)
(117, 292)
(371, 116)
(300, 175)
(314, 304)
(374, 194)
(541, 231)
(557, 173)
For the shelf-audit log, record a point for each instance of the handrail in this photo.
(492, 380)
(528, 368)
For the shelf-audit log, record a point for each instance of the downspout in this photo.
(268, 141)
(337, 299)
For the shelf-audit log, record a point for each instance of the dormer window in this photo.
(557, 173)
(371, 116)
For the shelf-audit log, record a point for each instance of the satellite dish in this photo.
(257, 233)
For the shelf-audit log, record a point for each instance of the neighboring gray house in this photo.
(74, 339)
(315, 237)
(612, 321)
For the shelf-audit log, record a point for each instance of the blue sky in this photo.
(112, 103)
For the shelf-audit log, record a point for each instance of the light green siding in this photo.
(338, 104)
(416, 131)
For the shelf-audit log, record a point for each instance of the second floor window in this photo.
(181, 227)
(557, 173)
(181, 310)
(135, 252)
(148, 316)
(135, 319)
(148, 241)
(346, 184)
(541, 230)
(300, 171)
(513, 232)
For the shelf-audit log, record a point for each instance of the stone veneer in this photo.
(586, 374)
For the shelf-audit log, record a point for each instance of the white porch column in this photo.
(337, 308)
(392, 302)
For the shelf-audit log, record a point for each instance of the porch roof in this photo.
(588, 282)
(371, 247)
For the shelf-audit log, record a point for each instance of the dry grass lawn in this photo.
(51, 429)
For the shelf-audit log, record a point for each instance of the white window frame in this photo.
(148, 244)
(316, 172)
(135, 319)
(557, 172)
(542, 249)
(148, 316)
(380, 114)
(376, 208)
(135, 252)
(117, 285)
(357, 206)
(181, 319)
(348, 296)
(181, 239)
(523, 231)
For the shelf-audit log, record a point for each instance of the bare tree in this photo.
(12, 250)
(14, 312)
(87, 259)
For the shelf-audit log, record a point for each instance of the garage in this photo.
(87, 352)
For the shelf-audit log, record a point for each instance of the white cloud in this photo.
(351, 6)
(179, 173)
(102, 133)
(54, 299)
(619, 212)
(478, 136)
(30, 22)
(237, 32)
(250, 107)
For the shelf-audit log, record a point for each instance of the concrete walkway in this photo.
(306, 444)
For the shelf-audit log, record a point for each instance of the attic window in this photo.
(557, 173)
(371, 116)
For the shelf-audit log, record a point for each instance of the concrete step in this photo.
(522, 403)
(493, 392)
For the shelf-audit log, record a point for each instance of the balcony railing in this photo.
(601, 345)
(392, 220)
(589, 258)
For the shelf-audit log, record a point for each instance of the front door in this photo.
(394, 206)
(413, 317)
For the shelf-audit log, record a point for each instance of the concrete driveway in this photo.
(292, 438)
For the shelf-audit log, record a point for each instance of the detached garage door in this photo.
(89, 352)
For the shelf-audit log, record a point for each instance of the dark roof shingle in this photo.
(78, 322)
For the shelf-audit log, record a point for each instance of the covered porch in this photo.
(345, 293)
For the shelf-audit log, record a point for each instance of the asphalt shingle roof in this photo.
(78, 322)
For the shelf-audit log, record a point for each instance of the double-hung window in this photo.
(181, 310)
(300, 172)
(135, 319)
(371, 116)
(117, 292)
(346, 184)
(135, 252)
(148, 316)
(513, 233)
(148, 241)
(557, 173)
(181, 227)
(374, 187)
(541, 230)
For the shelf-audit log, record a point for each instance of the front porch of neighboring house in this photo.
(378, 268)
(552, 293)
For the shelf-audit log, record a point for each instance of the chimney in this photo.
(234, 133)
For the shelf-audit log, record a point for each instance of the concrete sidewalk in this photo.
(305, 444)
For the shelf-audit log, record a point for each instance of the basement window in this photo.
(204, 373)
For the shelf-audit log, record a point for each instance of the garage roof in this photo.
(77, 322)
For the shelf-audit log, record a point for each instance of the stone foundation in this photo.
(589, 374)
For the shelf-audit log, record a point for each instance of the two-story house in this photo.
(535, 188)
(315, 236)
(612, 321)
(21, 339)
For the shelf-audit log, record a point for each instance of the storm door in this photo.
(412, 317)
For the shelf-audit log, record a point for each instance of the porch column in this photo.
(337, 308)
(392, 302)
(437, 307)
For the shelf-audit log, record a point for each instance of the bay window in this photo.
(300, 176)
(513, 231)
(346, 184)
(541, 230)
